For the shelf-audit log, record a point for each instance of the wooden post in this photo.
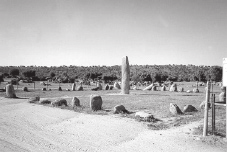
(17, 83)
(212, 86)
(205, 125)
(213, 114)
(47, 84)
(224, 81)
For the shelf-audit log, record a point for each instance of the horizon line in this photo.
(100, 65)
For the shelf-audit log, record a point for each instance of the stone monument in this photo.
(10, 93)
(74, 86)
(125, 76)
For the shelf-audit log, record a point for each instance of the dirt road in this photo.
(30, 127)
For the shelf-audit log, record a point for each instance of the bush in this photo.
(65, 80)
(1, 78)
(14, 72)
(109, 78)
(35, 78)
(71, 80)
(52, 74)
(14, 82)
(136, 78)
(29, 73)
(5, 75)
(41, 78)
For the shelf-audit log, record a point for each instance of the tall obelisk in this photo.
(125, 76)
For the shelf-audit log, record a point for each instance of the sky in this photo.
(102, 32)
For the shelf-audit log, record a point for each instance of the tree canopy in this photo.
(14, 72)
(139, 73)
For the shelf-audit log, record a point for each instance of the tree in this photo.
(156, 77)
(64, 77)
(200, 75)
(196, 78)
(164, 77)
(108, 78)
(14, 82)
(5, 75)
(172, 78)
(29, 74)
(146, 77)
(214, 73)
(136, 78)
(14, 72)
(1, 78)
(52, 74)
(144, 72)
(92, 76)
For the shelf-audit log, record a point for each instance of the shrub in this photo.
(71, 80)
(1, 78)
(29, 73)
(14, 72)
(14, 82)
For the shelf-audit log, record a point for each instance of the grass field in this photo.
(154, 102)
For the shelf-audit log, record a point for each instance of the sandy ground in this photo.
(30, 127)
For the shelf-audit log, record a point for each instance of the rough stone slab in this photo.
(80, 88)
(44, 101)
(189, 108)
(74, 87)
(174, 109)
(116, 85)
(173, 88)
(75, 102)
(163, 88)
(119, 109)
(10, 92)
(25, 89)
(195, 90)
(95, 102)
(107, 87)
(125, 86)
(33, 99)
(149, 87)
(143, 114)
(59, 102)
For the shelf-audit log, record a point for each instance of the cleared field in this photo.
(155, 102)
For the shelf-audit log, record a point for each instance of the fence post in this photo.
(47, 84)
(205, 125)
(213, 114)
(17, 83)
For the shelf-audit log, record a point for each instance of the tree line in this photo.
(138, 73)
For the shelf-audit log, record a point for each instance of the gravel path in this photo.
(30, 127)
